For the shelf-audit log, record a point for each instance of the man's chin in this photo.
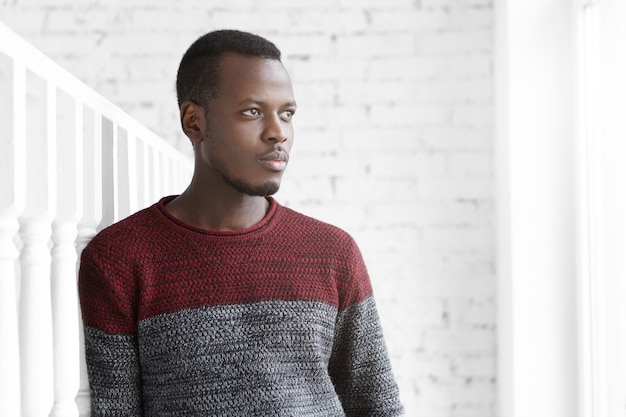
(262, 190)
(268, 189)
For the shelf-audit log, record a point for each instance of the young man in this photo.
(219, 301)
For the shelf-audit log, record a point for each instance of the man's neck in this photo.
(215, 210)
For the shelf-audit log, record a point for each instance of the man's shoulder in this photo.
(305, 226)
(125, 233)
(296, 217)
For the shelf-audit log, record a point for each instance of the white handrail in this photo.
(71, 163)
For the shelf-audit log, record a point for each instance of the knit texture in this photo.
(275, 320)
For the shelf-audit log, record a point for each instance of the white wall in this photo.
(394, 140)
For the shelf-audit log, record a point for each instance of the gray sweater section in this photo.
(272, 358)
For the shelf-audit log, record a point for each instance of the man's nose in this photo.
(276, 129)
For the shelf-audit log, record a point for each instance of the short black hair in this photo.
(198, 72)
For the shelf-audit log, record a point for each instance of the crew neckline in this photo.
(265, 221)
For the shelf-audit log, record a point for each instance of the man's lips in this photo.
(276, 160)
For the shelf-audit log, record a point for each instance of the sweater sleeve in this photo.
(359, 363)
(107, 298)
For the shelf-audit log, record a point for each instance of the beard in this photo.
(260, 190)
(241, 185)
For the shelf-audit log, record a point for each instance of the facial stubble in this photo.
(241, 185)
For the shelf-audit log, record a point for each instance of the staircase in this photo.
(71, 163)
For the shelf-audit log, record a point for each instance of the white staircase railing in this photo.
(71, 163)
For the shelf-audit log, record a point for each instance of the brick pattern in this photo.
(393, 143)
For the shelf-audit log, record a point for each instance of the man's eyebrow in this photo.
(261, 102)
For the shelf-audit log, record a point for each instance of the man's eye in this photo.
(287, 114)
(252, 112)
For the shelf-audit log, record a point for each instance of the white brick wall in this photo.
(393, 143)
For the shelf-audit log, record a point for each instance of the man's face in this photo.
(249, 130)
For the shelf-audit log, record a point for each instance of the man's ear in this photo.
(193, 121)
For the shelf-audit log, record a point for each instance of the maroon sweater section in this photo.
(151, 264)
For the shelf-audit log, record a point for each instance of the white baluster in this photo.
(159, 173)
(9, 348)
(133, 174)
(64, 233)
(141, 173)
(65, 320)
(168, 173)
(151, 179)
(109, 174)
(92, 215)
(122, 185)
(35, 312)
(12, 184)
(148, 178)
(35, 322)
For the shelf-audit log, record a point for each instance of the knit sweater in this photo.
(274, 320)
